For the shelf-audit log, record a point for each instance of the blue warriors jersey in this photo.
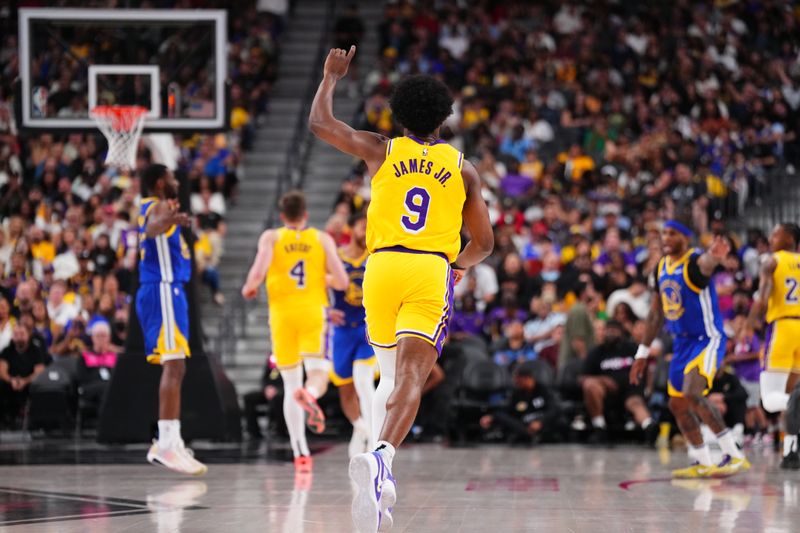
(688, 298)
(163, 258)
(349, 301)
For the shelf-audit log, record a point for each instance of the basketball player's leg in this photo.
(345, 345)
(285, 346)
(170, 349)
(696, 386)
(363, 369)
(778, 363)
(681, 409)
(415, 359)
(312, 328)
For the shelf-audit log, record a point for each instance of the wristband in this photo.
(642, 352)
(454, 266)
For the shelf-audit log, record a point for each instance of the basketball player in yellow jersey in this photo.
(298, 263)
(779, 296)
(422, 191)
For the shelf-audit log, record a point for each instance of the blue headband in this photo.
(677, 226)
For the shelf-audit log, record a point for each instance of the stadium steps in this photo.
(261, 169)
(327, 167)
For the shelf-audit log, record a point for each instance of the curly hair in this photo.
(421, 103)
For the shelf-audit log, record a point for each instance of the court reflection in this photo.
(168, 506)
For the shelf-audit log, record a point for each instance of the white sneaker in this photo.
(359, 443)
(376, 493)
(179, 458)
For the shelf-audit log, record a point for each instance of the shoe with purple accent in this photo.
(730, 466)
(376, 493)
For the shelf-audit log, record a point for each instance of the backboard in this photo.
(173, 62)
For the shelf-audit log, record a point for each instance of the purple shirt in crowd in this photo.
(467, 322)
(748, 370)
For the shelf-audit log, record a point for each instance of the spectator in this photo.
(271, 396)
(207, 253)
(20, 363)
(605, 383)
(59, 309)
(512, 349)
(578, 338)
(540, 330)
(102, 256)
(480, 281)
(6, 323)
(636, 296)
(531, 415)
(501, 316)
(96, 365)
(72, 342)
(467, 321)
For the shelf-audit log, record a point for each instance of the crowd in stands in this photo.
(590, 124)
(68, 225)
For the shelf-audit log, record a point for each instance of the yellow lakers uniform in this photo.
(297, 297)
(782, 343)
(413, 234)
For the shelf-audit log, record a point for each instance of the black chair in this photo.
(483, 385)
(51, 403)
(542, 372)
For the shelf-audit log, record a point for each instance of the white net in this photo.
(122, 127)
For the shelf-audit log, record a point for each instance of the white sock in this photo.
(364, 382)
(169, 433)
(599, 422)
(361, 426)
(646, 422)
(387, 452)
(292, 412)
(387, 359)
(789, 444)
(701, 454)
(728, 444)
(313, 391)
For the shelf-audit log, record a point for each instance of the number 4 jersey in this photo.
(296, 275)
(417, 198)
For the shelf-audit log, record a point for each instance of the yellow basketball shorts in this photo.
(407, 294)
(298, 333)
(782, 345)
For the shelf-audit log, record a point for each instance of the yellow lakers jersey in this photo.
(296, 275)
(784, 300)
(417, 198)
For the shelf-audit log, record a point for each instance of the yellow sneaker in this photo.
(730, 466)
(695, 471)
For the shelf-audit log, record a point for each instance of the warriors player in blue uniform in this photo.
(164, 267)
(684, 298)
(353, 358)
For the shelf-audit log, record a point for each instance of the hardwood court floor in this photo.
(561, 488)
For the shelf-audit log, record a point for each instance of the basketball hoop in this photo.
(122, 127)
